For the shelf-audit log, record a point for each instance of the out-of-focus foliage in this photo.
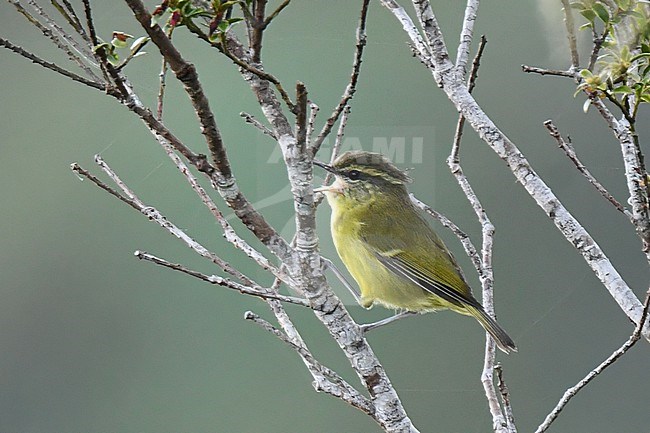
(621, 31)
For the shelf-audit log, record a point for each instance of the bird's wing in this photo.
(440, 277)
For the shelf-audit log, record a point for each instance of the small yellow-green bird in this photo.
(393, 254)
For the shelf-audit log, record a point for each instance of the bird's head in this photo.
(362, 176)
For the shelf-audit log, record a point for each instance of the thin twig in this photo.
(471, 83)
(250, 119)
(568, 149)
(338, 142)
(69, 40)
(83, 173)
(229, 233)
(132, 54)
(571, 392)
(543, 71)
(635, 173)
(505, 395)
(90, 22)
(94, 41)
(162, 82)
(67, 11)
(129, 197)
(55, 39)
(313, 111)
(256, 71)
(276, 12)
(301, 116)
(326, 380)
(598, 42)
(254, 290)
(335, 152)
(351, 88)
(571, 33)
(53, 67)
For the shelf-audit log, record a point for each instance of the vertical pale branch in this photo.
(500, 422)
(466, 35)
(635, 173)
(571, 34)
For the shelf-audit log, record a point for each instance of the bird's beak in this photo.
(325, 166)
(336, 187)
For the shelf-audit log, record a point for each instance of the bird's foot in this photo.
(370, 326)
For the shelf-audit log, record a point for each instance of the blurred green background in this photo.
(93, 340)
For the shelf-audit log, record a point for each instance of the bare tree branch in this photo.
(325, 379)
(351, 88)
(543, 71)
(505, 395)
(571, 392)
(67, 11)
(250, 119)
(53, 67)
(255, 290)
(229, 233)
(635, 172)
(500, 422)
(571, 34)
(132, 200)
(71, 42)
(568, 149)
(186, 73)
(276, 12)
(466, 35)
(56, 40)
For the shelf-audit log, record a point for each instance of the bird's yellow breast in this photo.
(376, 282)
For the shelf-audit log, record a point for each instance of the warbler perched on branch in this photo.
(393, 254)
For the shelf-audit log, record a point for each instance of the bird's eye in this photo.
(354, 174)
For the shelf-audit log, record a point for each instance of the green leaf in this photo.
(589, 15)
(645, 71)
(226, 5)
(586, 73)
(586, 105)
(104, 45)
(601, 11)
(640, 56)
(622, 89)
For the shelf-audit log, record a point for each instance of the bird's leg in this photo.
(355, 293)
(369, 326)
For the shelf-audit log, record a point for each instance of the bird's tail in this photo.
(503, 340)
